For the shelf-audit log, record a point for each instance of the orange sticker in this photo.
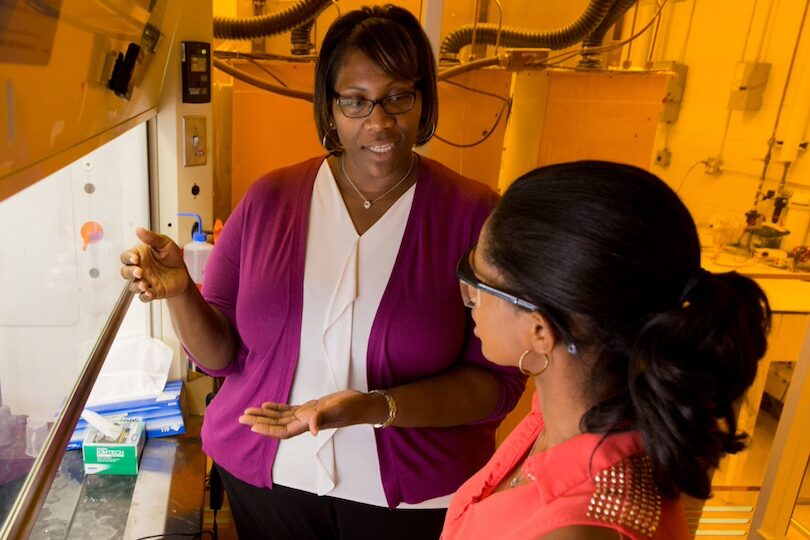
(92, 232)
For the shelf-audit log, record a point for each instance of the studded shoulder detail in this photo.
(625, 494)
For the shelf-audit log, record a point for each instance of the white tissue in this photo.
(136, 367)
(104, 426)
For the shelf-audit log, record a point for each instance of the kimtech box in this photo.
(103, 455)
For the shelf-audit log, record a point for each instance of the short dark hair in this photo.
(392, 38)
(668, 348)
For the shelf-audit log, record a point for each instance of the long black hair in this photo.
(392, 38)
(612, 251)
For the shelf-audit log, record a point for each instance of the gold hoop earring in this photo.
(526, 371)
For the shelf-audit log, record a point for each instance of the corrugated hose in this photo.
(269, 24)
(486, 33)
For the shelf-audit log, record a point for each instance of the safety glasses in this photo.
(471, 286)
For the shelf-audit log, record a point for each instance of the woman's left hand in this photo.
(341, 409)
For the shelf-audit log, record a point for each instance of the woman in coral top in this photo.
(587, 277)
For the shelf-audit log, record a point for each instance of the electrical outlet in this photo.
(663, 157)
(712, 165)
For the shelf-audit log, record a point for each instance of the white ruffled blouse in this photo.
(345, 277)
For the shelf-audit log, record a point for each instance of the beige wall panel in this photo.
(270, 131)
(601, 116)
(466, 117)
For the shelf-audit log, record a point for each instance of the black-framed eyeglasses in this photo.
(471, 286)
(354, 107)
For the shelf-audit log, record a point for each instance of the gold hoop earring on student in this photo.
(530, 373)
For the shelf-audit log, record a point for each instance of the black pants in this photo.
(283, 513)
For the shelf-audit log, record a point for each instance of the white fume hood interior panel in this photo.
(55, 103)
(59, 272)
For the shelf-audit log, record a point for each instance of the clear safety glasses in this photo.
(471, 286)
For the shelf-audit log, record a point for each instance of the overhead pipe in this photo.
(471, 66)
(595, 38)
(561, 38)
(269, 24)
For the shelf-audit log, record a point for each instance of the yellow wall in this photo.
(269, 130)
(717, 40)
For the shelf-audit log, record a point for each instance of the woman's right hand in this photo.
(156, 267)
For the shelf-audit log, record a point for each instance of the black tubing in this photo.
(300, 39)
(616, 12)
(486, 33)
(269, 24)
(259, 83)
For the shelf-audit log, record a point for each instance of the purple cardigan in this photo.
(255, 277)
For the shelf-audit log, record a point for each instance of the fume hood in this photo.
(91, 95)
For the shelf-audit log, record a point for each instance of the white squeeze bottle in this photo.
(196, 252)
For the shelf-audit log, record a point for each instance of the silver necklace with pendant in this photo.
(516, 480)
(366, 202)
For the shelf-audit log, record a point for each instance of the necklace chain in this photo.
(517, 478)
(367, 203)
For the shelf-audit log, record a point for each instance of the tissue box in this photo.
(114, 456)
(163, 414)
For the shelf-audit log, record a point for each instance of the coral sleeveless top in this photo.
(587, 480)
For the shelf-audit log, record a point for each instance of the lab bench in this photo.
(166, 497)
(750, 266)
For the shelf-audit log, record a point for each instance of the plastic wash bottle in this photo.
(196, 252)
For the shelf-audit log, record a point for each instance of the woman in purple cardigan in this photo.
(332, 288)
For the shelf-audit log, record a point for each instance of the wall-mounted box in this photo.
(750, 79)
(196, 68)
(676, 85)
